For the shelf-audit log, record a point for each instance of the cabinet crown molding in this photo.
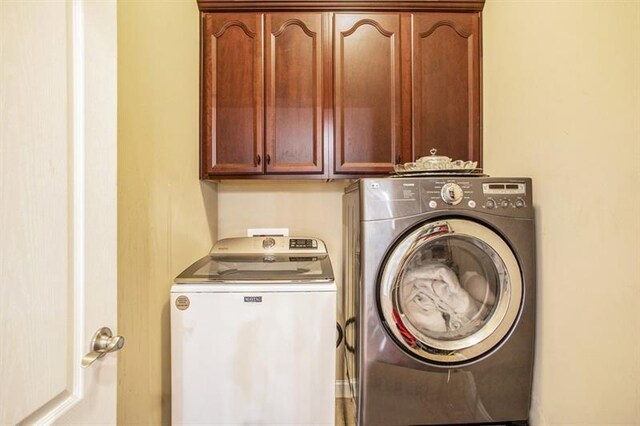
(345, 5)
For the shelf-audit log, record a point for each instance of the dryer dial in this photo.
(451, 193)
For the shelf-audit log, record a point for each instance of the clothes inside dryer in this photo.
(448, 288)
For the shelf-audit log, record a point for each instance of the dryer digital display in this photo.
(503, 188)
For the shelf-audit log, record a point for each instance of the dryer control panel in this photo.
(406, 196)
(502, 196)
(509, 196)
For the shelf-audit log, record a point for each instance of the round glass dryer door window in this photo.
(450, 291)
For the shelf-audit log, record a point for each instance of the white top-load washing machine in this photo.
(253, 334)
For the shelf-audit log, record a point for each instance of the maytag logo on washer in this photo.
(253, 299)
(182, 302)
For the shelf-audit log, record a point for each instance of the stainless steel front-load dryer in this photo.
(439, 300)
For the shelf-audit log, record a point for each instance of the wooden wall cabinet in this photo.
(294, 93)
(343, 89)
(446, 85)
(262, 94)
(367, 92)
(232, 94)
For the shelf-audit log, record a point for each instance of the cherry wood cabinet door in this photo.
(232, 94)
(446, 92)
(294, 92)
(367, 109)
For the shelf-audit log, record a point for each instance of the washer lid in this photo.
(259, 268)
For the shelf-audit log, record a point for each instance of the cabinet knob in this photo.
(268, 158)
(258, 160)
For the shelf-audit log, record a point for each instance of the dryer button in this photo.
(471, 204)
(433, 204)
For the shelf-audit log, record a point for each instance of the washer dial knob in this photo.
(490, 203)
(269, 242)
(451, 193)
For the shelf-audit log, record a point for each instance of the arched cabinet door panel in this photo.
(446, 78)
(367, 133)
(294, 92)
(232, 94)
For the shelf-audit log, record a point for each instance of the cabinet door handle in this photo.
(268, 158)
(258, 160)
(398, 159)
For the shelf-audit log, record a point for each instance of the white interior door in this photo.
(58, 111)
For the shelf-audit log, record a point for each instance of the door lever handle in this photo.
(103, 342)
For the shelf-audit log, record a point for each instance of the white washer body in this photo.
(253, 352)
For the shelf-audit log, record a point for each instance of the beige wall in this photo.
(561, 94)
(561, 104)
(164, 223)
(306, 208)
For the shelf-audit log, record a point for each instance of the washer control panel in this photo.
(269, 245)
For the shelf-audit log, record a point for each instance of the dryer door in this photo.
(450, 291)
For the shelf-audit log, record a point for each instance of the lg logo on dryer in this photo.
(253, 299)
